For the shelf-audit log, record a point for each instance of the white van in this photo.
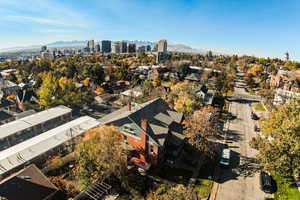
(225, 158)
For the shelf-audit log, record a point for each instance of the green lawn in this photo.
(203, 187)
(287, 189)
(258, 107)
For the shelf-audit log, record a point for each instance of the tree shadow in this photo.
(242, 101)
(248, 167)
(232, 136)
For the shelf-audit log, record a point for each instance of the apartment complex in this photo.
(22, 129)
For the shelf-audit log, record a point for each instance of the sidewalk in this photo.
(215, 187)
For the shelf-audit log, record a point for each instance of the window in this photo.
(151, 148)
(128, 129)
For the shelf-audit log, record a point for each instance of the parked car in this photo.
(225, 158)
(254, 116)
(230, 116)
(265, 182)
(256, 128)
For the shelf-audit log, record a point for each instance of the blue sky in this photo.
(253, 27)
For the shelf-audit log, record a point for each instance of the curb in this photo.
(215, 186)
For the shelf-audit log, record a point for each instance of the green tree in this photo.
(279, 146)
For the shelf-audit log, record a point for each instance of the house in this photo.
(152, 129)
(283, 96)
(8, 87)
(131, 93)
(29, 183)
(286, 80)
(193, 77)
(24, 96)
(207, 96)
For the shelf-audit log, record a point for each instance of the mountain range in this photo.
(82, 43)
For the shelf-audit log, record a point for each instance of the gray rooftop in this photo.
(16, 126)
(158, 114)
(26, 151)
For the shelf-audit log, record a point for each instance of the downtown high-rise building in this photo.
(116, 47)
(123, 47)
(106, 46)
(43, 48)
(131, 48)
(91, 45)
(148, 48)
(97, 48)
(141, 49)
(162, 46)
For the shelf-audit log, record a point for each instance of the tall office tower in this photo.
(123, 47)
(131, 48)
(148, 48)
(106, 46)
(43, 48)
(287, 55)
(141, 49)
(91, 45)
(162, 46)
(155, 47)
(97, 48)
(116, 47)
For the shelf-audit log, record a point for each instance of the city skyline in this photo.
(248, 27)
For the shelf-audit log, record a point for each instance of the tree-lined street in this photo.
(241, 180)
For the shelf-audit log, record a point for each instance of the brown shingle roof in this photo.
(29, 183)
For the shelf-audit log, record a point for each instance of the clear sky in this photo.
(253, 27)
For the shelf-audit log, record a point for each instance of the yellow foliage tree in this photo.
(182, 97)
(47, 91)
(101, 155)
(256, 70)
(156, 82)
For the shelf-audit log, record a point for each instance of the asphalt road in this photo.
(241, 181)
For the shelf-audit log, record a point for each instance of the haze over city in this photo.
(247, 27)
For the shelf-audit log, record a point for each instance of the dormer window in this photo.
(128, 129)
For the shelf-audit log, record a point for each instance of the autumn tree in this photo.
(279, 145)
(101, 156)
(256, 70)
(200, 127)
(178, 192)
(67, 188)
(182, 97)
(47, 91)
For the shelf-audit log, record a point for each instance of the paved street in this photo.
(241, 181)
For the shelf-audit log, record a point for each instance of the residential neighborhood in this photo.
(148, 100)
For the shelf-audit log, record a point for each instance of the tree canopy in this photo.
(101, 156)
(279, 145)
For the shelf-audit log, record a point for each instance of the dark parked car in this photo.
(265, 182)
(230, 116)
(256, 128)
(254, 116)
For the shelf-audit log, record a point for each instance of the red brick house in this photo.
(152, 128)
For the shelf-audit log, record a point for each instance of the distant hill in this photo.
(82, 43)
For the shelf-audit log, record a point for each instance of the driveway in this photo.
(241, 181)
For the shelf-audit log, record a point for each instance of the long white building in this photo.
(22, 129)
(24, 153)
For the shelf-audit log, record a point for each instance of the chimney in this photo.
(144, 138)
(129, 105)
